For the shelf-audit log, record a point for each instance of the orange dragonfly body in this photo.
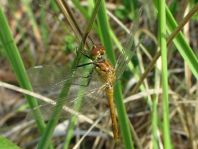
(107, 75)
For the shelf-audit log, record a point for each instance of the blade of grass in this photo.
(130, 6)
(43, 26)
(174, 32)
(122, 115)
(43, 143)
(74, 119)
(162, 44)
(155, 138)
(105, 34)
(77, 105)
(181, 44)
(154, 110)
(74, 23)
(30, 14)
(14, 57)
(69, 18)
(7, 143)
(81, 9)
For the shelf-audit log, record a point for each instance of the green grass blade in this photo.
(130, 6)
(78, 102)
(34, 24)
(155, 123)
(6, 143)
(122, 115)
(104, 28)
(181, 44)
(74, 119)
(169, 40)
(162, 44)
(43, 144)
(81, 9)
(18, 67)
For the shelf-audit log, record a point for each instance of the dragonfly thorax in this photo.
(104, 68)
(106, 71)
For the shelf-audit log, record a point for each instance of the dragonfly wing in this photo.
(45, 76)
(128, 51)
(90, 97)
(51, 78)
(91, 100)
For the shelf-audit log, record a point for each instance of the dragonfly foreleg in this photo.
(83, 53)
(89, 77)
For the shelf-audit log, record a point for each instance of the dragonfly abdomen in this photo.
(109, 94)
(107, 74)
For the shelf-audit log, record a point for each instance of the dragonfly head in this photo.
(97, 52)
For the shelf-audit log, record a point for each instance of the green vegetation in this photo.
(148, 44)
(5, 143)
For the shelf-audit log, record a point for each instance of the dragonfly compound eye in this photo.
(97, 51)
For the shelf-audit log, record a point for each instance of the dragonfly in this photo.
(108, 75)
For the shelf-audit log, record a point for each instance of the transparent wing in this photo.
(128, 50)
(90, 101)
(49, 80)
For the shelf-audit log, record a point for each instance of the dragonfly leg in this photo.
(81, 65)
(84, 54)
(88, 77)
